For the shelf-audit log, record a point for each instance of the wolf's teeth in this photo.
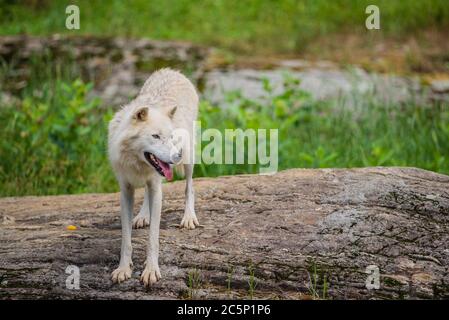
(155, 162)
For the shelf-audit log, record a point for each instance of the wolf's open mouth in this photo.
(163, 168)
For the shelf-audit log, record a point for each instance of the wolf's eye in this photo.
(156, 136)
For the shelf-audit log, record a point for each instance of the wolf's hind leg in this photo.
(143, 218)
(189, 220)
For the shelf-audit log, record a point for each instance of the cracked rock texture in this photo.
(296, 233)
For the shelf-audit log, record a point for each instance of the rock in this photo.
(440, 86)
(8, 100)
(117, 66)
(283, 230)
(323, 83)
(7, 219)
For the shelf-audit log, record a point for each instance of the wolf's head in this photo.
(143, 139)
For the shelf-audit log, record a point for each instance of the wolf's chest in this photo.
(138, 178)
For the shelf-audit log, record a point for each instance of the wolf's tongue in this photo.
(166, 170)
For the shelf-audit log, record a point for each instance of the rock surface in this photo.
(323, 83)
(297, 234)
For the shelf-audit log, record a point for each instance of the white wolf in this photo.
(142, 150)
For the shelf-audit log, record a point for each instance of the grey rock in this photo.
(321, 83)
(440, 86)
(287, 227)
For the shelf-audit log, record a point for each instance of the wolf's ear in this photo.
(141, 114)
(172, 111)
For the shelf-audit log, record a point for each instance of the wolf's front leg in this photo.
(151, 273)
(189, 220)
(143, 218)
(123, 272)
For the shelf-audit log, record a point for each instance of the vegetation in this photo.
(252, 282)
(54, 143)
(193, 282)
(318, 282)
(251, 25)
(53, 137)
(334, 134)
(53, 140)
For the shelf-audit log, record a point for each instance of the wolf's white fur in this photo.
(167, 101)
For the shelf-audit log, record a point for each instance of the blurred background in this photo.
(341, 95)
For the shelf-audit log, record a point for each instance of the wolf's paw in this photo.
(141, 221)
(189, 221)
(121, 274)
(150, 275)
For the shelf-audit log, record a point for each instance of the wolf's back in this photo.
(166, 79)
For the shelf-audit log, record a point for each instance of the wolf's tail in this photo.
(179, 169)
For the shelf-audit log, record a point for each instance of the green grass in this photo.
(252, 282)
(278, 26)
(334, 134)
(53, 138)
(318, 282)
(193, 282)
(54, 143)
